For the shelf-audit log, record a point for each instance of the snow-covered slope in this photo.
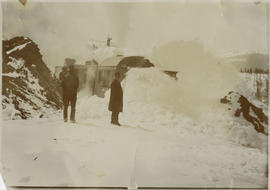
(240, 107)
(255, 87)
(28, 88)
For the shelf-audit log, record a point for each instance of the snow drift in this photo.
(190, 105)
(155, 101)
(202, 76)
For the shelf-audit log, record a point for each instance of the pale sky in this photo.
(64, 29)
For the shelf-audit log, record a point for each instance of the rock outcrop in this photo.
(242, 108)
(28, 87)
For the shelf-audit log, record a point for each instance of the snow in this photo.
(98, 154)
(16, 64)
(12, 75)
(2, 184)
(19, 47)
(247, 86)
(33, 92)
(9, 111)
(168, 138)
(106, 52)
(21, 71)
(146, 104)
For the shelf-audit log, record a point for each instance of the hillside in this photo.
(248, 61)
(28, 88)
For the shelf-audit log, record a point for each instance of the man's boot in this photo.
(113, 121)
(117, 123)
(116, 120)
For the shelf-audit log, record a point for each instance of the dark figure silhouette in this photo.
(70, 84)
(61, 77)
(116, 99)
(62, 73)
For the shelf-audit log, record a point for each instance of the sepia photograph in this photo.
(118, 94)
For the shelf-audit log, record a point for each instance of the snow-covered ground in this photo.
(49, 152)
(248, 87)
(167, 139)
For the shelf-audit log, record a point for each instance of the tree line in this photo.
(256, 70)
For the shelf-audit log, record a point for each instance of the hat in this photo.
(69, 61)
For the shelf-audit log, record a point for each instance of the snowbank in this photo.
(154, 101)
(202, 76)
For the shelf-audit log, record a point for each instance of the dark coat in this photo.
(116, 98)
(61, 77)
(69, 83)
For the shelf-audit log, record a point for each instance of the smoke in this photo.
(119, 14)
(89, 85)
(63, 29)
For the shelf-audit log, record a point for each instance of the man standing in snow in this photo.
(116, 99)
(70, 84)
